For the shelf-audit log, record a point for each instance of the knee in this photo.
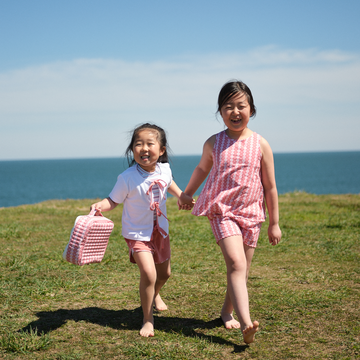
(237, 266)
(165, 275)
(148, 277)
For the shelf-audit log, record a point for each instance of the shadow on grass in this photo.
(128, 320)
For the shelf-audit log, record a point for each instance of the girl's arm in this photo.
(270, 191)
(104, 205)
(202, 170)
(174, 190)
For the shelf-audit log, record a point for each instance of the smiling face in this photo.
(236, 114)
(147, 149)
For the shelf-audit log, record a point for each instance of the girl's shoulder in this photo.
(262, 140)
(212, 139)
(265, 146)
(209, 144)
(130, 169)
(255, 136)
(128, 173)
(163, 165)
(165, 170)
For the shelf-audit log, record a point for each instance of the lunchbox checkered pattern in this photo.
(88, 240)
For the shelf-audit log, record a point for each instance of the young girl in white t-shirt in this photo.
(142, 190)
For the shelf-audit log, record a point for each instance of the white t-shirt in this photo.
(130, 189)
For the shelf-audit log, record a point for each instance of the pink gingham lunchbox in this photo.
(88, 239)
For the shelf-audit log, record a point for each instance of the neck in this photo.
(148, 169)
(238, 135)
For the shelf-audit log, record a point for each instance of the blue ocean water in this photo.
(33, 181)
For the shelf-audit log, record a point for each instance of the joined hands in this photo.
(185, 202)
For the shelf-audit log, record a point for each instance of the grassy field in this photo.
(304, 292)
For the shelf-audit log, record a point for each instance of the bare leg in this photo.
(146, 265)
(163, 273)
(237, 256)
(227, 309)
(249, 253)
(227, 314)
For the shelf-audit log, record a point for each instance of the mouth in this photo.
(145, 157)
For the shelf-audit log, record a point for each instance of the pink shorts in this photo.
(224, 227)
(158, 246)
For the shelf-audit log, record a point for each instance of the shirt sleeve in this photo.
(167, 169)
(120, 190)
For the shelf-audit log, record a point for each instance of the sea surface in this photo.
(33, 181)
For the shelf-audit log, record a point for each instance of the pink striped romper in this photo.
(233, 196)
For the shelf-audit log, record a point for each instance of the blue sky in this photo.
(77, 76)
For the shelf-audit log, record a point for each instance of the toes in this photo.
(250, 331)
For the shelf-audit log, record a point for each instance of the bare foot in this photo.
(250, 331)
(159, 303)
(229, 321)
(147, 330)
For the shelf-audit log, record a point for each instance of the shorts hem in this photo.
(227, 227)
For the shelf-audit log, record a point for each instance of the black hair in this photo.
(161, 137)
(233, 88)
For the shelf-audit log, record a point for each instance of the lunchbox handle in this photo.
(93, 212)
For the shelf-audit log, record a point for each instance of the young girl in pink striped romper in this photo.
(241, 179)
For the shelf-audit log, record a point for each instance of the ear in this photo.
(162, 151)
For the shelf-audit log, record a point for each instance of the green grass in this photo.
(304, 292)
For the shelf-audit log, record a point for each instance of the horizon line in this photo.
(170, 156)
